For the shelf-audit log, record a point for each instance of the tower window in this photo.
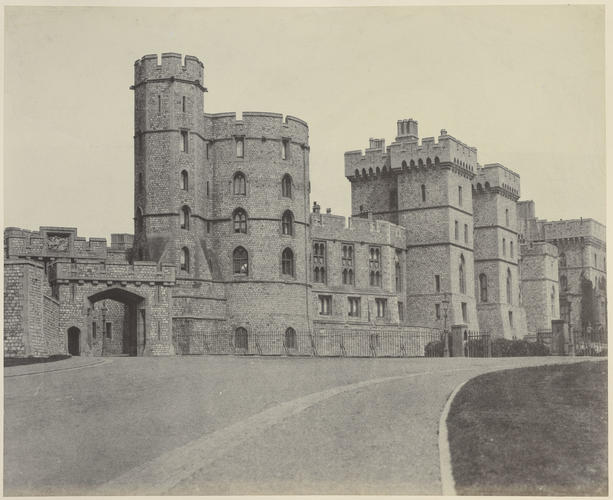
(398, 273)
(239, 184)
(423, 192)
(462, 275)
(159, 103)
(437, 282)
(437, 311)
(109, 330)
(183, 104)
(464, 312)
(466, 233)
(456, 230)
(504, 247)
(509, 287)
(511, 248)
(184, 260)
(506, 216)
(184, 141)
(460, 195)
(184, 217)
(381, 307)
(184, 180)
(483, 287)
(374, 265)
(285, 149)
(511, 319)
(287, 262)
(207, 188)
(240, 147)
(287, 223)
(240, 259)
(240, 220)
(286, 186)
(139, 220)
(207, 150)
(94, 328)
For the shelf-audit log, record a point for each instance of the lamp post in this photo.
(445, 332)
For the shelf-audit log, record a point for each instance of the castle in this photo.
(226, 248)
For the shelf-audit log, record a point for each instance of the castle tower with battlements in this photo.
(425, 188)
(497, 278)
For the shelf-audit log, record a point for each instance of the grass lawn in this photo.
(532, 431)
(32, 360)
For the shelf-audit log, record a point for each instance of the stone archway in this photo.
(134, 332)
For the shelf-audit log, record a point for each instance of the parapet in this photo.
(574, 228)
(536, 249)
(256, 125)
(408, 153)
(357, 229)
(494, 176)
(52, 242)
(116, 273)
(169, 65)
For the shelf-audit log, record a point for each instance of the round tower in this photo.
(170, 153)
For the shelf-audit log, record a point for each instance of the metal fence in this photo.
(477, 344)
(402, 342)
(591, 342)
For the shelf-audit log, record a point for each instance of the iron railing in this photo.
(403, 342)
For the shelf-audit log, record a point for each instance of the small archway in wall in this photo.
(117, 322)
(73, 341)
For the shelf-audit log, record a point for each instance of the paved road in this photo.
(230, 425)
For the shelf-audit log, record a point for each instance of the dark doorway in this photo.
(74, 335)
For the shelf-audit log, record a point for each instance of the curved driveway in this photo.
(231, 425)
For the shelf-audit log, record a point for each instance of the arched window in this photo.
(241, 339)
(420, 162)
(483, 287)
(184, 217)
(239, 217)
(562, 260)
(350, 277)
(436, 160)
(428, 162)
(412, 163)
(240, 258)
(184, 259)
(404, 165)
(286, 186)
(372, 278)
(462, 275)
(239, 184)
(563, 282)
(290, 338)
(287, 262)
(184, 180)
(509, 287)
(287, 223)
(423, 192)
(139, 220)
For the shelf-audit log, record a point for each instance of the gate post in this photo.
(457, 339)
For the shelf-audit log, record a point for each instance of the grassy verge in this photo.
(532, 431)
(30, 361)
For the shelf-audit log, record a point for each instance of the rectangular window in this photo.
(437, 310)
(207, 188)
(159, 103)
(285, 149)
(511, 319)
(511, 248)
(240, 147)
(325, 305)
(381, 307)
(319, 262)
(347, 264)
(94, 332)
(354, 307)
(207, 150)
(109, 330)
(183, 104)
(464, 312)
(460, 195)
(466, 233)
(437, 282)
(400, 311)
(208, 226)
(184, 141)
(456, 230)
(504, 247)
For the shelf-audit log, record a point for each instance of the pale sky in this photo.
(524, 85)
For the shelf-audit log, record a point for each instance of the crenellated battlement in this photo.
(574, 228)
(408, 152)
(256, 125)
(168, 65)
(494, 176)
(534, 249)
(357, 229)
(115, 273)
